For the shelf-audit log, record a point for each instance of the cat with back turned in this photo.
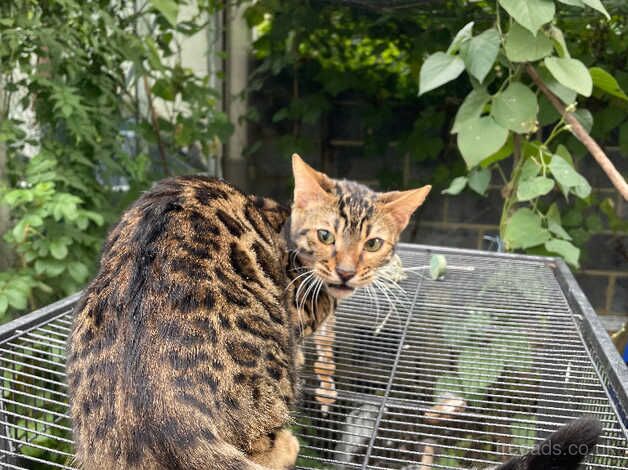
(184, 347)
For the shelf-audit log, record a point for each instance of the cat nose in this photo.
(345, 274)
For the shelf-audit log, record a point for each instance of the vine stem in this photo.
(583, 136)
(511, 193)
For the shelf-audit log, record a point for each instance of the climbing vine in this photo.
(95, 104)
(521, 72)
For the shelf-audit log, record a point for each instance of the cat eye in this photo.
(373, 244)
(326, 237)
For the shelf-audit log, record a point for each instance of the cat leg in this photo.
(278, 452)
(299, 356)
(324, 367)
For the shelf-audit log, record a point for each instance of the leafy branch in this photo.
(501, 118)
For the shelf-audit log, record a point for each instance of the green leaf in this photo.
(570, 72)
(58, 249)
(456, 186)
(461, 37)
(4, 304)
(558, 38)
(516, 108)
(438, 69)
(438, 266)
(597, 5)
(594, 223)
(479, 180)
(529, 169)
(164, 89)
(533, 188)
(524, 230)
(554, 223)
(606, 82)
(49, 266)
(168, 8)
(553, 213)
(504, 152)
(531, 14)
(475, 373)
(573, 3)
(17, 298)
(566, 250)
(523, 46)
(481, 52)
(567, 95)
(471, 108)
(585, 118)
(78, 271)
(568, 178)
(563, 152)
(480, 138)
(558, 230)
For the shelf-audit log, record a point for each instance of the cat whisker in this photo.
(311, 271)
(297, 297)
(373, 297)
(317, 291)
(385, 290)
(392, 284)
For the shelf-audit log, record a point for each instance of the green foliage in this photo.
(503, 117)
(311, 56)
(76, 64)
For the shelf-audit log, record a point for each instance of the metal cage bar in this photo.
(511, 335)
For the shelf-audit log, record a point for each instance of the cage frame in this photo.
(612, 375)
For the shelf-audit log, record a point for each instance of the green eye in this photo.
(326, 237)
(373, 244)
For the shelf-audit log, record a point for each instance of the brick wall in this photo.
(457, 221)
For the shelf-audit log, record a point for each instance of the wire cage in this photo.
(459, 372)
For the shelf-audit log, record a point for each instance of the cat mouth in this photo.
(340, 290)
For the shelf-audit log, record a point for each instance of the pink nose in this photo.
(345, 274)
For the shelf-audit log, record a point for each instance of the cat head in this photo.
(343, 231)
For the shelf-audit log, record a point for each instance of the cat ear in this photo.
(401, 204)
(309, 185)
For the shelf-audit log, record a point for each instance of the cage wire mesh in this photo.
(510, 340)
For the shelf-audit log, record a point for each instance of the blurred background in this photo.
(98, 99)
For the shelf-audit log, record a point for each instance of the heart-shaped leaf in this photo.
(456, 186)
(438, 69)
(566, 250)
(480, 53)
(480, 138)
(479, 180)
(524, 230)
(606, 82)
(534, 187)
(572, 73)
(516, 108)
(531, 14)
(523, 46)
(471, 108)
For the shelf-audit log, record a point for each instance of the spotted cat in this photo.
(182, 351)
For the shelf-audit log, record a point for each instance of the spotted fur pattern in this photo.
(182, 353)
